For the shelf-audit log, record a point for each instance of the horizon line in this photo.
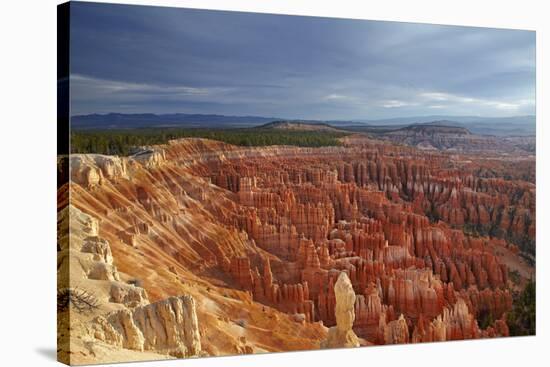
(294, 118)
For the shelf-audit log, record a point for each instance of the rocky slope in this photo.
(105, 319)
(258, 237)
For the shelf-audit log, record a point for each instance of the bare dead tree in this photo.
(80, 299)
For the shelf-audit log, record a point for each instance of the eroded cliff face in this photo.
(169, 326)
(441, 135)
(106, 319)
(259, 236)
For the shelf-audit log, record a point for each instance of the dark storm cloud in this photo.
(152, 59)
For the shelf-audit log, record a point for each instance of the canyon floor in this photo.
(199, 248)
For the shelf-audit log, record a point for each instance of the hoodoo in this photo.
(342, 335)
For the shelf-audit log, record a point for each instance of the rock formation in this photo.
(397, 331)
(342, 335)
(169, 326)
(166, 327)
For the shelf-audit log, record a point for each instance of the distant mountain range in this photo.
(462, 119)
(143, 120)
(500, 126)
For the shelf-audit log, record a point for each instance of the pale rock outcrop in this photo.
(90, 170)
(103, 330)
(81, 252)
(169, 326)
(103, 271)
(150, 157)
(123, 322)
(99, 247)
(128, 294)
(342, 335)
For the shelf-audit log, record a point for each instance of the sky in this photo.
(137, 59)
